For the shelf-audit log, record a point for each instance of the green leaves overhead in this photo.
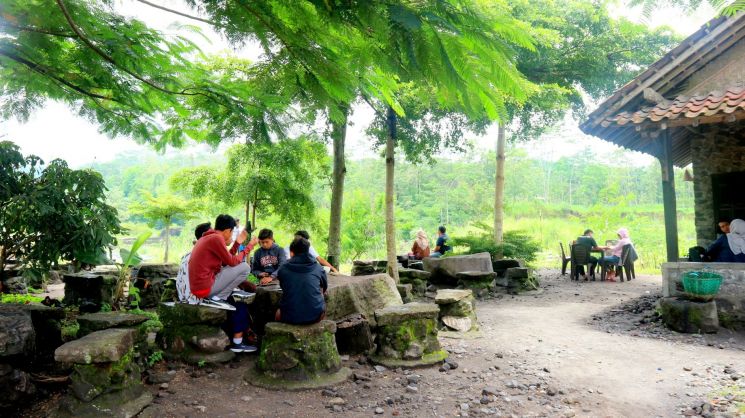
(115, 71)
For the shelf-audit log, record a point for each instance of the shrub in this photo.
(516, 244)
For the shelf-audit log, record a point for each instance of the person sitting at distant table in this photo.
(616, 251)
(304, 285)
(268, 258)
(719, 251)
(588, 241)
(420, 249)
(312, 251)
(441, 246)
(736, 240)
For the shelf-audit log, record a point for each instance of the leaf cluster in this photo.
(51, 213)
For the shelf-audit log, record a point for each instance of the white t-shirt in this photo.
(312, 251)
(182, 282)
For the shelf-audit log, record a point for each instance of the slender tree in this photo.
(165, 209)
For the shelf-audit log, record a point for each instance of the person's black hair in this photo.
(201, 229)
(441, 229)
(299, 246)
(266, 234)
(723, 219)
(587, 231)
(224, 222)
(303, 233)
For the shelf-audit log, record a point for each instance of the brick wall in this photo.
(714, 154)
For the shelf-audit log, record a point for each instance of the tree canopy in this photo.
(51, 213)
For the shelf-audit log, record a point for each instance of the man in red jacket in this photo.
(214, 272)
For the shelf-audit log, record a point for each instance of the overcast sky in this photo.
(56, 132)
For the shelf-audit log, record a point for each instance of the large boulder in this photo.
(362, 295)
(47, 328)
(17, 335)
(89, 288)
(298, 357)
(407, 336)
(683, 315)
(15, 386)
(444, 270)
(105, 346)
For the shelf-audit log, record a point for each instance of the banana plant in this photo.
(130, 258)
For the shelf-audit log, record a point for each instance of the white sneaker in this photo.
(217, 303)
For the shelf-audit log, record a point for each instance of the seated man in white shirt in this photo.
(312, 251)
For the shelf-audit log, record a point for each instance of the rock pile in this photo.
(105, 379)
(457, 309)
(364, 268)
(155, 283)
(407, 336)
(193, 333)
(416, 278)
(444, 270)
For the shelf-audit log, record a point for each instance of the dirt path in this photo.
(538, 355)
(634, 376)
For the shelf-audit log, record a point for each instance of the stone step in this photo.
(448, 296)
(444, 270)
(396, 314)
(177, 314)
(105, 346)
(104, 320)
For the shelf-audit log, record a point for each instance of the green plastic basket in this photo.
(702, 284)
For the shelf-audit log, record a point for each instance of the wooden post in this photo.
(668, 195)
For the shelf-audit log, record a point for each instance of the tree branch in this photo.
(39, 30)
(44, 71)
(111, 60)
(176, 12)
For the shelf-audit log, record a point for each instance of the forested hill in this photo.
(550, 200)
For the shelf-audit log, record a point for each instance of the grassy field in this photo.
(547, 225)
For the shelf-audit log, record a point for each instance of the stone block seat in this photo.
(407, 336)
(297, 357)
(89, 288)
(730, 301)
(457, 309)
(106, 380)
(444, 270)
(416, 278)
(687, 316)
(476, 280)
(104, 320)
(193, 333)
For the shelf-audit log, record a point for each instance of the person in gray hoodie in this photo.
(268, 258)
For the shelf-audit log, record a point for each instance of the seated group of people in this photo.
(212, 275)
(730, 246)
(613, 253)
(421, 248)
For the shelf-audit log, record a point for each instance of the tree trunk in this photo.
(168, 239)
(248, 217)
(390, 217)
(2, 268)
(338, 135)
(253, 209)
(499, 188)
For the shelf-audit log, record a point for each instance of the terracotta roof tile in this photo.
(712, 104)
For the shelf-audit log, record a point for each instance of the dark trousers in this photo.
(593, 264)
(240, 319)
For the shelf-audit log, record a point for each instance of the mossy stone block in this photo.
(124, 403)
(397, 314)
(298, 357)
(688, 316)
(178, 314)
(92, 380)
(105, 346)
(104, 320)
(408, 343)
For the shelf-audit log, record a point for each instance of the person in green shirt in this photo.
(588, 241)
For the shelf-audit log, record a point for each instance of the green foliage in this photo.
(70, 328)
(516, 245)
(264, 178)
(130, 258)
(154, 357)
(201, 363)
(19, 298)
(51, 213)
(166, 209)
(115, 71)
(153, 324)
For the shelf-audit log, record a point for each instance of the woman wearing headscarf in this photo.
(736, 240)
(616, 251)
(420, 249)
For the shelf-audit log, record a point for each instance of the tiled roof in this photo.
(713, 104)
